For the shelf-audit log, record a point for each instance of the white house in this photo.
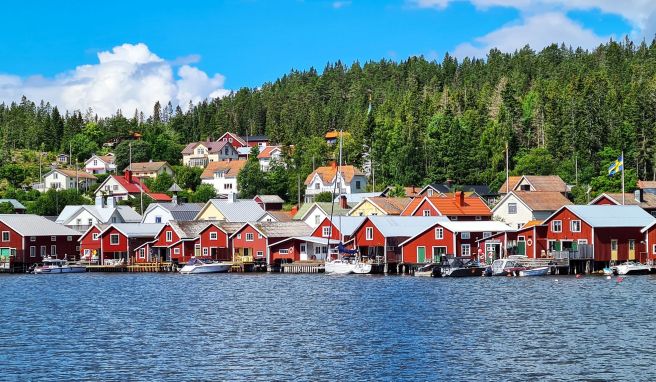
(165, 212)
(62, 179)
(268, 156)
(126, 186)
(314, 213)
(100, 164)
(82, 217)
(223, 176)
(519, 207)
(150, 169)
(199, 154)
(350, 180)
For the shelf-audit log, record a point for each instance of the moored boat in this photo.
(196, 266)
(505, 267)
(339, 267)
(457, 267)
(538, 271)
(632, 268)
(428, 270)
(55, 266)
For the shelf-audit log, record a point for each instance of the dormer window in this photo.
(525, 187)
(218, 174)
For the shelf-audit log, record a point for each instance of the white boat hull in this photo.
(632, 269)
(541, 271)
(58, 270)
(424, 273)
(362, 268)
(205, 268)
(339, 268)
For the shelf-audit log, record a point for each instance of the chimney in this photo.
(111, 202)
(232, 197)
(333, 164)
(175, 198)
(637, 195)
(342, 202)
(128, 175)
(99, 201)
(460, 198)
(294, 210)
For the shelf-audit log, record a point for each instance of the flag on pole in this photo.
(616, 166)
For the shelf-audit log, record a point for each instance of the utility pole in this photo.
(507, 173)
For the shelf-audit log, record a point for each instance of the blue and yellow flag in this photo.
(616, 166)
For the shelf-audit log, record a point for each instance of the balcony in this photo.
(583, 252)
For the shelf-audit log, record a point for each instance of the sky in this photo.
(126, 55)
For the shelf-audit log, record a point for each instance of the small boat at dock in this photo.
(428, 270)
(506, 267)
(632, 268)
(539, 271)
(460, 267)
(56, 266)
(196, 266)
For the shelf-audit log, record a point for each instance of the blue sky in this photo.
(246, 43)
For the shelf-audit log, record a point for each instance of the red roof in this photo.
(131, 187)
(449, 206)
(160, 197)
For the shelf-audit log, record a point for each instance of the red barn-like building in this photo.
(254, 239)
(118, 241)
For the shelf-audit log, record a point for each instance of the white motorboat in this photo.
(428, 270)
(339, 267)
(53, 266)
(538, 271)
(504, 267)
(195, 266)
(632, 268)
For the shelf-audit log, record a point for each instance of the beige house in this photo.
(150, 169)
(199, 154)
(380, 205)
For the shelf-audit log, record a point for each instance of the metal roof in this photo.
(270, 198)
(404, 226)
(137, 229)
(476, 226)
(284, 229)
(348, 224)
(242, 210)
(35, 225)
(326, 207)
(612, 216)
(102, 214)
(189, 229)
(354, 199)
(15, 203)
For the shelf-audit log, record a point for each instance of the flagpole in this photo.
(623, 177)
(507, 185)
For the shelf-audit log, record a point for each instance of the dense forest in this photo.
(561, 110)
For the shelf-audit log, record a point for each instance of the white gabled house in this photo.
(62, 179)
(100, 164)
(349, 180)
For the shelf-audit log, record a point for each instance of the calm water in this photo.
(317, 327)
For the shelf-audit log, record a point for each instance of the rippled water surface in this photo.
(318, 327)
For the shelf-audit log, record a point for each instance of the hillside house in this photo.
(222, 176)
(104, 211)
(349, 180)
(199, 154)
(100, 164)
(519, 207)
(63, 179)
(150, 169)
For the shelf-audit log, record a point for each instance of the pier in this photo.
(303, 267)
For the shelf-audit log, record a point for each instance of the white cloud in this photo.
(340, 4)
(437, 4)
(128, 77)
(538, 31)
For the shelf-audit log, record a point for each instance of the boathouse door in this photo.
(613, 249)
(631, 249)
(521, 245)
(421, 255)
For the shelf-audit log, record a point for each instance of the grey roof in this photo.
(270, 198)
(35, 225)
(189, 229)
(229, 227)
(404, 226)
(255, 138)
(241, 210)
(480, 189)
(348, 224)
(15, 203)
(354, 199)
(103, 214)
(327, 207)
(182, 211)
(284, 229)
(244, 150)
(612, 216)
(174, 188)
(137, 229)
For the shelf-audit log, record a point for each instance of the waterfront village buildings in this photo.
(349, 180)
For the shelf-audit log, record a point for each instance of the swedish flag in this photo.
(616, 166)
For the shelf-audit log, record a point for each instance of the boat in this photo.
(429, 270)
(632, 268)
(505, 267)
(538, 271)
(53, 265)
(196, 265)
(339, 267)
(460, 267)
(362, 268)
(609, 271)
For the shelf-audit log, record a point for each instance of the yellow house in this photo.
(380, 205)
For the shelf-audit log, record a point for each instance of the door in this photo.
(438, 252)
(421, 254)
(303, 251)
(631, 249)
(521, 245)
(613, 249)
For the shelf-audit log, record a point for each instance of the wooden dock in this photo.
(141, 267)
(303, 267)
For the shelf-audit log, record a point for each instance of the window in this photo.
(95, 162)
(439, 233)
(32, 238)
(90, 221)
(115, 188)
(94, 236)
(284, 251)
(454, 218)
(230, 140)
(259, 235)
(465, 250)
(53, 238)
(512, 208)
(33, 251)
(317, 219)
(78, 221)
(5, 235)
(430, 192)
(425, 213)
(583, 241)
(325, 231)
(653, 249)
(214, 236)
(486, 235)
(317, 186)
(176, 251)
(158, 219)
(218, 174)
(557, 225)
(169, 236)
(227, 186)
(260, 254)
(238, 236)
(357, 184)
(69, 238)
(464, 235)
(55, 176)
(613, 245)
(206, 251)
(43, 251)
(575, 226)
(53, 250)
(107, 188)
(113, 239)
(369, 232)
(250, 237)
(142, 253)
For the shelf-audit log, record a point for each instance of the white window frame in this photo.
(425, 213)
(33, 250)
(169, 236)
(317, 219)
(487, 234)
(512, 211)
(250, 236)
(259, 254)
(439, 233)
(582, 242)
(326, 231)
(571, 226)
(32, 238)
(176, 251)
(142, 253)
(206, 251)
(462, 250)
(94, 236)
(553, 226)
(53, 238)
(465, 235)
(369, 233)
(8, 236)
(214, 236)
(111, 239)
(284, 251)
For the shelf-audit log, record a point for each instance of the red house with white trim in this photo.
(455, 206)
(90, 242)
(118, 241)
(253, 240)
